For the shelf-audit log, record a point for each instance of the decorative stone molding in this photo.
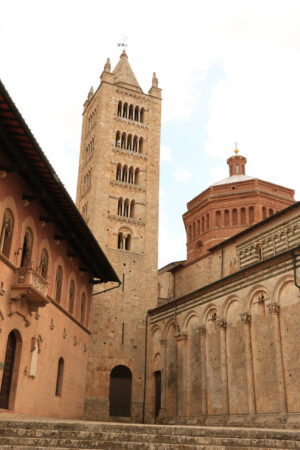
(65, 334)
(274, 308)
(127, 94)
(181, 337)
(222, 323)
(134, 123)
(129, 152)
(52, 326)
(130, 186)
(75, 341)
(245, 318)
(84, 348)
(126, 220)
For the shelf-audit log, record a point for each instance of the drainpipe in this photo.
(145, 366)
(295, 274)
(106, 290)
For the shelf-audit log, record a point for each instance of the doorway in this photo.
(10, 371)
(120, 392)
(157, 377)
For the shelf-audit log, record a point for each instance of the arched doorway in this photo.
(11, 369)
(157, 377)
(120, 392)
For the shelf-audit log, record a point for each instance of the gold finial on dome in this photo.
(236, 150)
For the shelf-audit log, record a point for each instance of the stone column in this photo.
(203, 375)
(181, 373)
(163, 343)
(274, 311)
(222, 324)
(246, 320)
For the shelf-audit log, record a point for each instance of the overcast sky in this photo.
(229, 70)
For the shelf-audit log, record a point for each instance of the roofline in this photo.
(253, 227)
(91, 241)
(191, 295)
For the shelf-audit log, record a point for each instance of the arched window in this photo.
(123, 141)
(120, 206)
(120, 240)
(125, 107)
(126, 208)
(118, 139)
(237, 169)
(194, 229)
(71, 296)
(136, 114)
(234, 217)
(271, 212)
(82, 308)
(58, 283)
(44, 263)
(135, 144)
(207, 222)
(190, 232)
(142, 115)
(218, 218)
(198, 227)
(140, 149)
(6, 232)
(132, 206)
(130, 175)
(243, 216)
(231, 170)
(202, 224)
(226, 217)
(125, 174)
(120, 109)
(130, 116)
(118, 174)
(264, 212)
(27, 248)
(60, 376)
(10, 370)
(129, 142)
(127, 242)
(251, 214)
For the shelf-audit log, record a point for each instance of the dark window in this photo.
(60, 376)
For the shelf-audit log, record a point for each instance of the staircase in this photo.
(29, 433)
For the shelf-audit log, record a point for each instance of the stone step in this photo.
(99, 427)
(64, 440)
(55, 434)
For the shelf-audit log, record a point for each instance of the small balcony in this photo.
(31, 285)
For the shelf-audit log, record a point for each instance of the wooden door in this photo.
(157, 376)
(8, 370)
(120, 392)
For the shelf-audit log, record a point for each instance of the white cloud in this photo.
(165, 154)
(182, 174)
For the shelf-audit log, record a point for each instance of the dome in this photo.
(233, 179)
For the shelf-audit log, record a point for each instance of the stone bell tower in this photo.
(117, 194)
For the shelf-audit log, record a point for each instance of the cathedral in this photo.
(213, 339)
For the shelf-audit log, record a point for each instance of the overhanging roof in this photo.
(26, 157)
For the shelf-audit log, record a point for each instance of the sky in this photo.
(229, 71)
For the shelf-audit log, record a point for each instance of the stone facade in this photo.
(117, 194)
(226, 340)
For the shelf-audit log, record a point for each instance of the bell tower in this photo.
(117, 194)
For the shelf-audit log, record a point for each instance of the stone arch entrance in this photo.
(120, 392)
(11, 369)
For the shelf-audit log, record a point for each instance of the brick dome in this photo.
(229, 206)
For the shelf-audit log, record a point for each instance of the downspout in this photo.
(295, 274)
(106, 290)
(145, 366)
